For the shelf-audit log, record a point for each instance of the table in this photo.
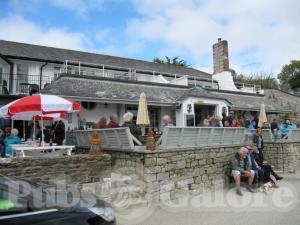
(22, 148)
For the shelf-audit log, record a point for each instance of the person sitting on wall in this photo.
(113, 123)
(268, 170)
(134, 129)
(166, 122)
(259, 172)
(238, 167)
(11, 139)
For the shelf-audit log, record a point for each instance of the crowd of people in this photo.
(279, 130)
(52, 134)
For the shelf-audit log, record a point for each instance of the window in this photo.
(22, 69)
(154, 113)
(22, 78)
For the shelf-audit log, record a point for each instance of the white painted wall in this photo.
(180, 114)
(5, 66)
(225, 81)
(33, 69)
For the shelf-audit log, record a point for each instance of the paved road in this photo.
(279, 206)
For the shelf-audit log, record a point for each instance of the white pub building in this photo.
(108, 85)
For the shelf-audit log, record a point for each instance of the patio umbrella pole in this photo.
(42, 141)
(24, 130)
(33, 136)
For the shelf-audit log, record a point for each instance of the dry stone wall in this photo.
(74, 169)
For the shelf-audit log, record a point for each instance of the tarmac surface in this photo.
(221, 207)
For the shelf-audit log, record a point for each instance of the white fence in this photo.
(115, 138)
(191, 137)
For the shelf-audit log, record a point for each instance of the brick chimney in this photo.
(220, 54)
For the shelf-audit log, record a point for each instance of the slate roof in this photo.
(252, 102)
(29, 51)
(200, 92)
(109, 90)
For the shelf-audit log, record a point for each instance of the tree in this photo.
(266, 81)
(290, 75)
(171, 61)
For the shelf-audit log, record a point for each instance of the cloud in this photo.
(80, 7)
(16, 28)
(262, 35)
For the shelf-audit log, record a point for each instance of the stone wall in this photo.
(285, 101)
(283, 156)
(157, 176)
(168, 173)
(75, 169)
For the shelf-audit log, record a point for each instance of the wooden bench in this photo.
(111, 139)
(191, 137)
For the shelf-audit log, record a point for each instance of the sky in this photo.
(263, 35)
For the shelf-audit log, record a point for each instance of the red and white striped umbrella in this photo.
(45, 117)
(39, 105)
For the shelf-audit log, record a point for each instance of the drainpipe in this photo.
(11, 72)
(41, 74)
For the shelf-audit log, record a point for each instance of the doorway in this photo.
(201, 112)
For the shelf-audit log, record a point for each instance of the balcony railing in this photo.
(22, 84)
(124, 73)
(248, 87)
